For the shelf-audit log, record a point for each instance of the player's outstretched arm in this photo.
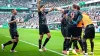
(12, 21)
(51, 9)
(38, 4)
(59, 9)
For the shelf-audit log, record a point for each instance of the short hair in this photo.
(78, 7)
(41, 6)
(13, 10)
(74, 6)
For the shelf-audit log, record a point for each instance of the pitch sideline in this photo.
(37, 46)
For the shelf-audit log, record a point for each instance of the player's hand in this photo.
(21, 21)
(65, 16)
(8, 23)
(52, 8)
(72, 15)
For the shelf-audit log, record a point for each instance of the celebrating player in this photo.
(89, 33)
(64, 30)
(76, 17)
(79, 32)
(43, 28)
(13, 32)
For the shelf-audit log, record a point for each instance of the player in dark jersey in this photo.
(76, 17)
(64, 30)
(89, 33)
(79, 33)
(13, 32)
(43, 28)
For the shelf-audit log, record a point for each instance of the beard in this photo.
(15, 13)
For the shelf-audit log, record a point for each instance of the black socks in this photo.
(92, 46)
(81, 44)
(67, 44)
(14, 45)
(46, 41)
(8, 43)
(64, 45)
(40, 42)
(85, 46)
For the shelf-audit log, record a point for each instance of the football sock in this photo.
(64, 45)
(46, 40)
(85, 46)
(74, 44)
(81, 44)
(92, 46)
(8, 43)
(70, 44)
(67, 44)
(40, 42)
(14, 45)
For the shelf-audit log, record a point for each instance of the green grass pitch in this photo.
(28, 44)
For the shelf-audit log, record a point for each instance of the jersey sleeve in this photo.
(39, 12)
(69, 13)
(66, 11)
(79, 18)
(46, 12)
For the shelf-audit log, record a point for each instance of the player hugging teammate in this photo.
(75, 18)
(64, 29)
(78, 31)
(70, 20)
(89, 33)
(71, 29)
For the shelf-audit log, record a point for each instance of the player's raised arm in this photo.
(38, 4)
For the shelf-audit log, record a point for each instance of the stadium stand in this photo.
(94, 13)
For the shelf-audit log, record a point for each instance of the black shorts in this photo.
(79, 31)
(72, 32)
(64, 31)
(13, 34)
(89, 32)
(43, 29)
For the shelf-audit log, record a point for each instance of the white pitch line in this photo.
(37, 46)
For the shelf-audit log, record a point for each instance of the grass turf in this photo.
(32, 36)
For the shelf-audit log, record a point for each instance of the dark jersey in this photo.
(77, 17)
(42, 17)
(13, 26)
(77, 14)
(64, 21)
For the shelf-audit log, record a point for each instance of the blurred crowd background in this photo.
(92, 9)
